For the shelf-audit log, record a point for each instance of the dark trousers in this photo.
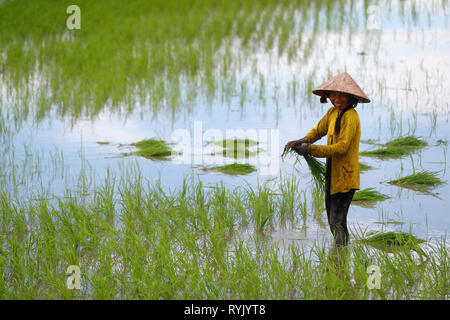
(337, 206)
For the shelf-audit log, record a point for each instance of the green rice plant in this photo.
(317, 171)
(175, 244)
(303, 206)
(369, 194)
(393, 239)
(288, 195)
(143, 68)
(316, 167)
(318, 199)
(234, 168)
(238, 148)
(239, 153)
(364, 167)
(261, 205)
(397, 147)
(408, 141)
(387, 152)
(232, 143)
(423, 178)
(134, 240)
(152, 148)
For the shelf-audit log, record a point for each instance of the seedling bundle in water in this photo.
(407, 142)
(317, 169)
(238, 148)
(235, 148)
(364, 167)
(235, 168)
(369, 194)
(423, 178)
(152, 148)
(397, 148)
(389, 240)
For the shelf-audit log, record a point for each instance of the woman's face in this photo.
(339, 100)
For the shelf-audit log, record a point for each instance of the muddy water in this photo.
(402, 64)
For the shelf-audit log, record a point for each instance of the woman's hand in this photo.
(302, 149)
(291, 145)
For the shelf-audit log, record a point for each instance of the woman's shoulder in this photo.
(330, 111)
(352, 114)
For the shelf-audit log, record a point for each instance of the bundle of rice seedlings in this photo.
(397, 147)
(389, 151)
(386, 240)
(364, 167)
(235, 168)
(408, 141)
(151, 148)
(369, 194)
(237, 148)
(317, 169)
(233, 143)
(238, 153)
(423, 178)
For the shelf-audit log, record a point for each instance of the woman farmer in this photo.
(342, 127)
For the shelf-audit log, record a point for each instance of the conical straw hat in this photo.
(343, 82)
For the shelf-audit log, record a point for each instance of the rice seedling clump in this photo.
(317, 169)
(238, 148)
(150, 148)
(423, 178)
(389, 151)
(228, 143)
(235, 168)
(393, 239)
(409, 141)
(364, 167)
(369, 194)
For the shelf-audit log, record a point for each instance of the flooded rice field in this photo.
(78, 186)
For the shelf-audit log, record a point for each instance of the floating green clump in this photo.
(235, 168)
(364, 167)
(152, 148)
(396, 148)
(369, 194)
(393, 239)
(392, 152)
(423, 178)
(237, 148)
(102, 142)
(233, 143)
(409, 142)
(239, 153)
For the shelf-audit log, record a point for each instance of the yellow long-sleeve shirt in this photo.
(342, 148)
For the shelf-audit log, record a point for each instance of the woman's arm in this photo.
(315, 134)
